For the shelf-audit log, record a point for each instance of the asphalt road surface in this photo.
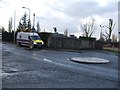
(40, 68)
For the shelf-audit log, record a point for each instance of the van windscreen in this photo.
(35, 38)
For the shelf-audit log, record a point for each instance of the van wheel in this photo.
(31, 45)
(19, 44)
(41, 47)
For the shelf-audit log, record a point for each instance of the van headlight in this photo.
(42, 42)
(35, 43)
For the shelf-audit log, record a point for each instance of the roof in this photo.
(57, 35)
(30, 33)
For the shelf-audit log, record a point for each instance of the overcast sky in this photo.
(63, 14)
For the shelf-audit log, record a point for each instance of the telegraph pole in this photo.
(14, 24)
(33, 28)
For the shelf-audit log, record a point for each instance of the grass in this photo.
(114, 50)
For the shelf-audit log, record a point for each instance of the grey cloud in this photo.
(3, 3)
(111, 8)
(83, 9)
(60, 24)
(77, 10)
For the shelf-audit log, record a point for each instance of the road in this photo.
(40, 68)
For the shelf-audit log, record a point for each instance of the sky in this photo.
(62, 14)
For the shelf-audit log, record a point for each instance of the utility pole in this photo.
(33, 28)
(14, 24)
(101, 34)
(33, 19)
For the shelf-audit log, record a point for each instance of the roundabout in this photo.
(91, 60)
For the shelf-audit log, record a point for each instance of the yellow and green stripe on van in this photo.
(38, 41)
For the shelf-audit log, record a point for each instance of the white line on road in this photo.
(48, 60)
(92, 71)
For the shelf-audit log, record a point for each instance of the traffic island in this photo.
(91, 60)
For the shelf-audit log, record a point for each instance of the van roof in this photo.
(28, 33)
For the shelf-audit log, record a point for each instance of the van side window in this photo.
(20, 36)
(29, 37)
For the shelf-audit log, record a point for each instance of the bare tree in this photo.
(110, 27)
(10, 25)
(88, 28)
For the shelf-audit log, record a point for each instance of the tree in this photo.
(24, 18)
(66, 32)
(110, 29)
(24, 24)
(38, 27)
(19, 29)
(88, 28)
(10, 25)
(3, 29)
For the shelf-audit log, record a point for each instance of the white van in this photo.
(29, 39)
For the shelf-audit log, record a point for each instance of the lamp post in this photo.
(33, 28)
(14, 24)
(101, 34)
(29, 24)
(101, 28)
(33, 19)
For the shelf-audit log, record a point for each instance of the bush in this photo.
(87, 38)
(9, 37)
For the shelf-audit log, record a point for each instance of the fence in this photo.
(0, 36)
(70, 43)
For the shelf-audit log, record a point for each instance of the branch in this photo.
(82, 27)
(88, 28)
(106, 32)
(91, 33)
(113, 25)
(106, 26)
(105, 36)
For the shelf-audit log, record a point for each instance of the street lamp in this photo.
(101, 27)
(33, 28)
(14, 24)
(101, 34)
(29, 25)
(33, 19)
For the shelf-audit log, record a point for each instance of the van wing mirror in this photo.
(29, 37)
